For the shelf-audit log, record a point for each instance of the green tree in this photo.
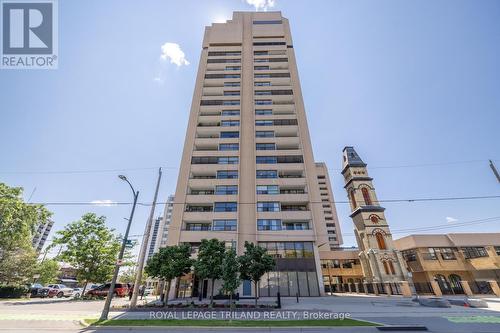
(208, 265)
(169, 263)
(254, 263)
(230, 274)
(90, 247)
(47, 271)
(18, 223)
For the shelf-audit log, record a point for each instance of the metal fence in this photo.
(395, 288)
(481, 287)
(423, 288)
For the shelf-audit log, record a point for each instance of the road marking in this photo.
(475, 319)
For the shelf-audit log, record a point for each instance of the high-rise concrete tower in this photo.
(247, 172)
(380, 260)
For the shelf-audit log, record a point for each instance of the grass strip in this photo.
(229, 323)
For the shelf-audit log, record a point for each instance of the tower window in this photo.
(380, 241)
(374, 219)
(353, 199)
(366, 196)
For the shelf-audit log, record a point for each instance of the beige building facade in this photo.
(248, 172)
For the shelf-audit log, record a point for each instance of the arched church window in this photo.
(353, 200)
(380, 241)
(366, 196)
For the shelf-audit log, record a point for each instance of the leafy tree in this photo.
(169, 263)
(47, 270)
(230, 274)
(208, 265)
(18, 223)
(90, 247)
(254, 263)
(128, 276)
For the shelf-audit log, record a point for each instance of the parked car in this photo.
(77, 292)
(36, 290)
(58, 290)
(121, 290)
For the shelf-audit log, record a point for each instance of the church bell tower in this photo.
(380, 261)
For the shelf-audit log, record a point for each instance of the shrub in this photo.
(13, 291)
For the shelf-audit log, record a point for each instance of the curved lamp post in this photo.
(107, 304)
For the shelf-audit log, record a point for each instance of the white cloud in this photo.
(173, 52)
(104, 203)
(261, 4)
(451, 219)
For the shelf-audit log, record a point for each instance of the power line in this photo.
(82, 171)
(90, 171)
(78, 203)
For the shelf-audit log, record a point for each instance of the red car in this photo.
(121, 290)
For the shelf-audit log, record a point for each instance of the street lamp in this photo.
(107, 304)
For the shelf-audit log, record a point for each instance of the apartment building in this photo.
(167, 220)
(247, 172)
(154, 237)
(41, 235)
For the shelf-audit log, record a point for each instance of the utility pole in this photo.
(144, 246)
(495, 171)
(107, 303)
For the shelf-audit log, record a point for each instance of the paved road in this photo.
(38, 316)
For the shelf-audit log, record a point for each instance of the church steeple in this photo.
(380, 260)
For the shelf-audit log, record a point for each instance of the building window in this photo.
(263, 102)
(224, 225)
(225, 113)
(227, 123)
(226, 189)
(266, 160)
(267, 22)
(231, 84)
(374, 219)
(273, 225)
(262, 84)
(223, 53)
(270, 75)
(232, 93)
(268, 206)
(227, 174)
(267, 174)
(353, 199)
(366, 196)
(497, 250)
(290, 159)
(474, 252)
(268, 43)
(227, 135)
(264, 134)
(274, 92)
(197, 226)
(229, 146)
(267, 189)
(222, 76)
(261, 68)
(233, 68)
(380, 241)
(447, 253)
(228, 160)
(295, 225)
(263, 123)
(263, 112)
(262, 92)
(409, 255)
(265, 146)
(225, 207)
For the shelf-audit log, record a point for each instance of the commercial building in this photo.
(248, 172)
(452, 259)
(41, 235)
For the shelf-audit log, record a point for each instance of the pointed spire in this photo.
(351, 158)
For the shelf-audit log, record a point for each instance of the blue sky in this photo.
(405, 82)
